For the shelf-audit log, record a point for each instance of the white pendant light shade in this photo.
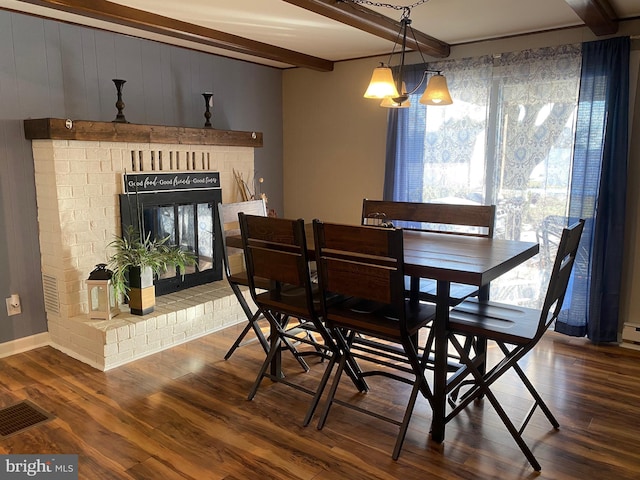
(381, 84)
(437, 92)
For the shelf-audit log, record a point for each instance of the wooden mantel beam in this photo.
(88, 131)
(151, 22)
(372, 22)
(598, 15)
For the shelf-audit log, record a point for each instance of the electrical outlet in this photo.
(12, 308)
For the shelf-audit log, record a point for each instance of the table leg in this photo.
(276, 363)
(440, 326)
(483, 293)
(481, 343)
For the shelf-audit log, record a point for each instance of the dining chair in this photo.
(236, 274)
(374, 324)
(235, 269)
(516, 330)
(453, 219)
(276, 252)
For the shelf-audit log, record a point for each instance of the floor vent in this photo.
(21, 416)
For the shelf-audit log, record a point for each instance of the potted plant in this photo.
(137, 258)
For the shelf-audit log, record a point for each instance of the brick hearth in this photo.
(178, 318)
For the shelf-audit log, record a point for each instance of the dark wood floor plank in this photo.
(183, 414)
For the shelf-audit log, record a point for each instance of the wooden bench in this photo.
(473, 220)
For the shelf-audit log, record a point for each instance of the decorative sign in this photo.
(169, 182)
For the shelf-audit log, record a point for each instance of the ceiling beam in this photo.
(598, 15)
(372, 22)
(151, 22)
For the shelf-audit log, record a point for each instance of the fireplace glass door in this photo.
(188, 219)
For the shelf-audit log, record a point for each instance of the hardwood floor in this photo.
(183, 414)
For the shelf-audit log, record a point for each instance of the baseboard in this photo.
(24, 344)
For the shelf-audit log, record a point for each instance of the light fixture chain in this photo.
(371, 3)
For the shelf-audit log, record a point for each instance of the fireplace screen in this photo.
(188, 218)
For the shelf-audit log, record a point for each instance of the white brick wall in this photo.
(77, 184)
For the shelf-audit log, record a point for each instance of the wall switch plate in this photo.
(13, 309)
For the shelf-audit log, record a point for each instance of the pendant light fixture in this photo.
(392, 91)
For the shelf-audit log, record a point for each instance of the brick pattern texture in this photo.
(77, 187)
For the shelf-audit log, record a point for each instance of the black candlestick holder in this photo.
(119, 104)
(208, 103)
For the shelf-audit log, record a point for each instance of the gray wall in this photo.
(52, 69)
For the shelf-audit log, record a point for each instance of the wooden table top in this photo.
(454, 258)
(462, 259)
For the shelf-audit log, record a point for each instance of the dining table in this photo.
(448, 258)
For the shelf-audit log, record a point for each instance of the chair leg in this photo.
(343, 345)
(351, 368)
(496, 372)
(405, 421)
(332, 393)
(539, 402)
(420, 385)
(253, 324)
(287, 343)
(482, 387)
(513, 431)
(419, 365)
(273, 349)
(320, 390)
(312, 340)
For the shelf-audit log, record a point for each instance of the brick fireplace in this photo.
(78, 173)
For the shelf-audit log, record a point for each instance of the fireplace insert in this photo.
(183, 207)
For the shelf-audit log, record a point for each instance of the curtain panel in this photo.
(403, 179)
(598, 190)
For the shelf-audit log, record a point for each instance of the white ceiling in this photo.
(276, 22)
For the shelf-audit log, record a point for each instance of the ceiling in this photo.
(316, 33)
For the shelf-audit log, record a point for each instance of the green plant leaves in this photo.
(135, 250)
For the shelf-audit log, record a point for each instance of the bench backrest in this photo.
(474, 220)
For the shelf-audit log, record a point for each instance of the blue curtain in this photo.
(598, 190)
(403, 179)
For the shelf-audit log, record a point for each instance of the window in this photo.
(506, 140)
